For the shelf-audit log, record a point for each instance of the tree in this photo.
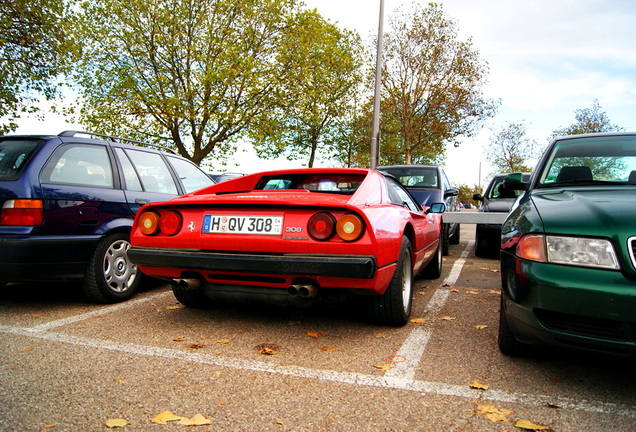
(198, 71)
(588, 120)
(466, 194)
(320, 67)
(431, 86)
(510, 150)
(33, 53)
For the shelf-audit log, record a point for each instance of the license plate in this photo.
(229, 224)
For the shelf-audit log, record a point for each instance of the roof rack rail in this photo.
(71, 133)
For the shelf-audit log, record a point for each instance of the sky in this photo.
(546, 59)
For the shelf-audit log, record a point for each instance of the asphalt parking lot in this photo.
(68, 365)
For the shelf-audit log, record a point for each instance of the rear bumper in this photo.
(44, 258)
(345, 266)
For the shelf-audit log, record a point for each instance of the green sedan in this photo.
(568, 268)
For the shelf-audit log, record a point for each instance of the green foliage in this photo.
(510, 150)
(320, 71)
(198, 72)
(466, 194)
(33, 53)
(588, 120)
(431, 87)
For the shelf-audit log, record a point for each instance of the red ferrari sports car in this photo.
(293, 237)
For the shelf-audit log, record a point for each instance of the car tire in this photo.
(445, 239)
(481, 247)
(454, 239)
(393, 308)
(506, 341)
(433, 269)
(110, 276)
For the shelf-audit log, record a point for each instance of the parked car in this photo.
(68, 202)
(568, 262)
(429, 184)
(294, 237)
(496, 199)
(218, 178)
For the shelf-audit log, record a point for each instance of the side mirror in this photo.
(436, 208)
(478, 197)
(514, 182)
(451, 192)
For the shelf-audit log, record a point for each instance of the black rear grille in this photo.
(585, 326)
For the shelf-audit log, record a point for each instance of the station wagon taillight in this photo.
(22, 212)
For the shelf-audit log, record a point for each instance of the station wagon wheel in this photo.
(433, 269)
(110, 276)
(455, 238)
(394, 306)
(445, 238)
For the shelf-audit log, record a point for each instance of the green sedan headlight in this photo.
(578, 251)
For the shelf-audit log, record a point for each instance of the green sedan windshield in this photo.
(591, 160)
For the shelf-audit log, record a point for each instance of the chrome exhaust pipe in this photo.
(293, 290)
(307, 291)
(186, 284)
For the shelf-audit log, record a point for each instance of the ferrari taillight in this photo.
(149, 223)
(322, 226)
(350, 227)
(22, 212)
(170, 223)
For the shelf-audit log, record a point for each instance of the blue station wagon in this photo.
(68, 203)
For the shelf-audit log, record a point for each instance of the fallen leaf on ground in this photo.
(329, 349)
(481, 326)
(179, 339)
(525, 424)
(454, 290)
(195, 346)
(115, 423)
(197, 420)
(447, 318)
(418, 320)
(493, 413)
(223, 341)
(446, 285)
(173, 307)
(38, 314)
(381, 335)
(27, 350)
(498, 292)
(267, 351)
(46, 426)
(165, 417)
(479, 386)
(315, 334)
(384, 367)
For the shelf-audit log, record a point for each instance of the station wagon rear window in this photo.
(13, 157)
(326, 183)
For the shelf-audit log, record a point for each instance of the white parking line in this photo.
(415, 344)
(329, 375)
(105, 310)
